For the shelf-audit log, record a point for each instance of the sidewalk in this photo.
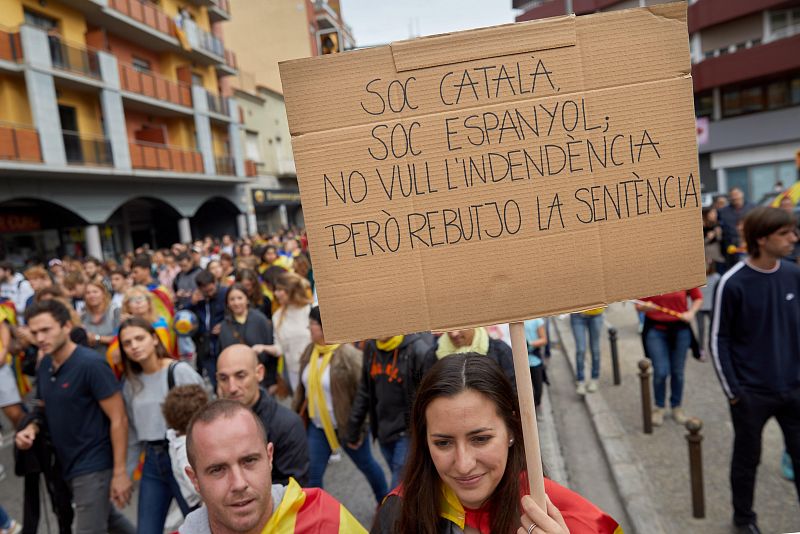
(652, 471)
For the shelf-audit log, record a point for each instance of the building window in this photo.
(795, 90)
(782, 23)
(251, 146)
(777, 95)
(767, 95)
(704, 104)
(759, 181)
(41, 21)
(142, 65)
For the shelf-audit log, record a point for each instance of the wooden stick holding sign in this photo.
(527, 412)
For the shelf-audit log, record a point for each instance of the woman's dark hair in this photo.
(134, 369)
(257, 297)
(421, 482)
(234, 287)
(315, 316)
(761, 222)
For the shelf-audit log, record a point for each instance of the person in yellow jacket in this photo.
(230, 466)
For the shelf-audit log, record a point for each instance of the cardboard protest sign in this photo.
(499, 174)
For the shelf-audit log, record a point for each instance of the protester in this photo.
(755, 339)
(290, 325)
(704, 313)
(472, 340)
(247, 326)
(231, 467)
(14, 287)
(328, 384)
(729, 218)
(180, 405)
(208, 303)
(10, 401)
(249, 280)
(119, 284)
(39, 279)
(149, 375)
(85, 416)
(390, 372)
(712, 237)
(99, 317)
(75, 287)
(184, 284)
(466, 466)
(238, 376)
(536, 338)
(587, 322)
(667, 337)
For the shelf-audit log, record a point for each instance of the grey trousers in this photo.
(94, 513)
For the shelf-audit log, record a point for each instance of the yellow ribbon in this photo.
(390, 344)
(316, 394)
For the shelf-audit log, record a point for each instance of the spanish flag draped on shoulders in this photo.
(310, 511)
(295, 510)
(580, 515)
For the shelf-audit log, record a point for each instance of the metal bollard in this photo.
(612, 340)
(694, 438)
(647, 405)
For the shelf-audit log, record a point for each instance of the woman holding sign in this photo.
(466, 468)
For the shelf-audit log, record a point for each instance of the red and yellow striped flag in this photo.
(311, 511)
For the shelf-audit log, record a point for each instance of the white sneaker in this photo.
(14, 528)
(592, 387)
(679, 415)
(335, 457)
(580, 389)
(658, 416)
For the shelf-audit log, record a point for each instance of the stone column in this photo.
(184, 230)
(93, 247)
(113, 113)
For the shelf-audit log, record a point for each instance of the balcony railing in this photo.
(199, 38)
(164, 157)
(230, 59)
(19, 142)
(145, 12)
(73, 58)
(84, 149)
(155, 86)
(10, 45)
(223, 5)
(217, 104)
(225, 165)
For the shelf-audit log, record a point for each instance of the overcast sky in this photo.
(380, 22)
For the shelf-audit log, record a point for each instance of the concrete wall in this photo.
(14, 100)
(733, 32)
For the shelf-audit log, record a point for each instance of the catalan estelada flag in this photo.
(311, 511)
(163, 306)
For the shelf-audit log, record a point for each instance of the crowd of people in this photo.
(201, 375)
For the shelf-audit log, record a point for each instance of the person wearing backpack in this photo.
(149, 374)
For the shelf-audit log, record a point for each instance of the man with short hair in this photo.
(755, 343)
(184, 283)
(238, 376)
(75, 287)
(119, 284)
(729, 218)
(230, 464)
(208, 303)
(82, 406)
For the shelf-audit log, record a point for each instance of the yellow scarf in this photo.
(390, 344)
(480, 344)
(316, 394)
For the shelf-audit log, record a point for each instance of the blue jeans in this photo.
(319, 452)
(580, 324)
(395, 454)
(5, 521)
(668, 352)
(156, 491)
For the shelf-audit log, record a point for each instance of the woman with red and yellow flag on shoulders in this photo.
(466, 467)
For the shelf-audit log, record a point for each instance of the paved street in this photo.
(663, 456)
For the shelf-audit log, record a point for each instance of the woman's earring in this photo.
(511, 442)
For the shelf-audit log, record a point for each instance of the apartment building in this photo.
(263, 34)
(746, 72)
(115, 129)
